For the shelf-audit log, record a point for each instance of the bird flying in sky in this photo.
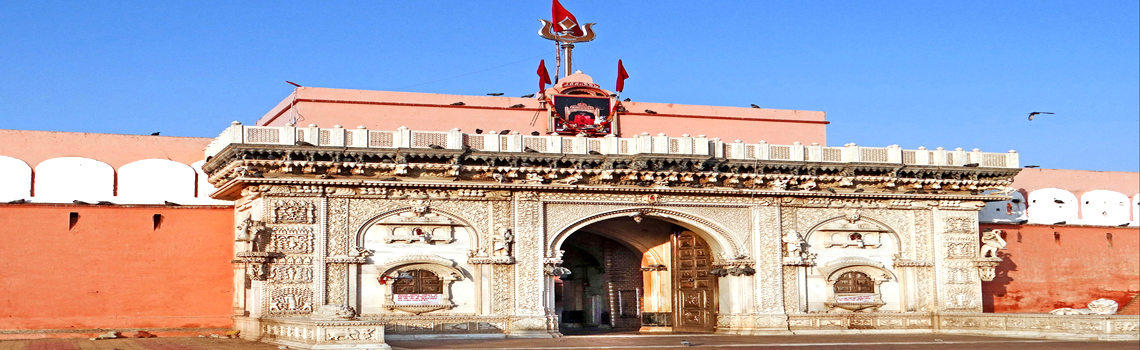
(1034, 114)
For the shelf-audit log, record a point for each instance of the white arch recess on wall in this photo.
(472, 231)
(62, 180)
(155, 181)
(719, 240)
(1103, 207)
(16, 177)
(1052, 206)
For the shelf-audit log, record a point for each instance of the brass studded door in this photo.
(694, 289)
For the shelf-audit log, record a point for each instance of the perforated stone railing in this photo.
(642, 144)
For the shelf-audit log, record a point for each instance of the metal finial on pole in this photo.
(564, 40)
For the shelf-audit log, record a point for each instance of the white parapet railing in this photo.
(643, 144)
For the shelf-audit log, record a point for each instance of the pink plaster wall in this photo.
(116, 150)
(1077, 181)
(388, 110)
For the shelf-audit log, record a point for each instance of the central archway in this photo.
(635, 272)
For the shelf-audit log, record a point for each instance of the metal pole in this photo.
(557, 60)
(569, 48)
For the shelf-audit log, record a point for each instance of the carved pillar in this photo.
(956, 240)
(491, 273)
(530, 312)
(320, 251)
(343, 276)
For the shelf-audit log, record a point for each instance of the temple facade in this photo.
(370, 232)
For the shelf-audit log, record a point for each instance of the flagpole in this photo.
(557, 60)
(569, 48)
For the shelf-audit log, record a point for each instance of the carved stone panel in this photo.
(290, 273)
(338, 227)
(529, 240)
(959, 286)
(294, 212)
(292, 240)
(296, 299)
(769, 280)
(502, 289)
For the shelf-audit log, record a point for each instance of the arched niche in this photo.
(851, 242)
(17, 179)
(394, 233)
(1007, 211)
(65, 179)
(1052, 206)
(440, 256)
(852, 235)
(428, 278)
(856, 284)
(154, 181)
(1102, 207)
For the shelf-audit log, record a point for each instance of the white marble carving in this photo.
(991, 243)
(1096, 307)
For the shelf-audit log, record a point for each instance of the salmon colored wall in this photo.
(113, 269)
(34, 147)
(1042, 271)
(387, 110)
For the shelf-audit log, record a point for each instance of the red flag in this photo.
(543, 76)
(622, 76)
(564, 20)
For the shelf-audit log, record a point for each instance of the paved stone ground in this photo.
(613, 342)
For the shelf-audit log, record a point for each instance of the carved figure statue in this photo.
(795, 243)
(780, 184)
(248, 231)
(1096, 307)
(502, 242)
(991, 242)
(419, 206)
(534, 178)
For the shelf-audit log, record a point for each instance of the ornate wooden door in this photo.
(419, 282)
(694, 289)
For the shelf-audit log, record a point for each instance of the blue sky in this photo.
(914, 73)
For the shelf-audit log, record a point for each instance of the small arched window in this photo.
(854, 282)
(417, 282)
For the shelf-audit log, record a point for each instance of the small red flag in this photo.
(621, 77)
(564, 20)
(543, 76)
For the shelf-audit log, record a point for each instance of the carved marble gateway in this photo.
(337, 246)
